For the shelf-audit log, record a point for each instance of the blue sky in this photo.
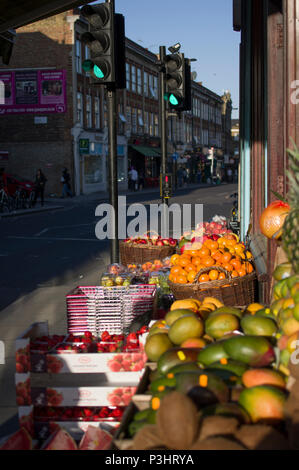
(204, 29)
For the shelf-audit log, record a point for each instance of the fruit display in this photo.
(149, 241)
(272, 219)
(224, 252)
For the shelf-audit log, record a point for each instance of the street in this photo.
(43, 256)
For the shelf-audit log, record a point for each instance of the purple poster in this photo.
(33, 92)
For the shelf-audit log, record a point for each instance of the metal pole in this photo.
(163, 121)
(113, 179)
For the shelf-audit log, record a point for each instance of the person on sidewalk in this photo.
(39, 187)
(66, 184)
(141, 180)
(133, 179)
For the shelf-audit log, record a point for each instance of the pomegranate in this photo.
(272, 219)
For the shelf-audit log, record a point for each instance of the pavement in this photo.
(44, 255)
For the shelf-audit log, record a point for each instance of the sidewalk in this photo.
(58, 203)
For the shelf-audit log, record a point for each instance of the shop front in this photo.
(94, 175)
(147, 161)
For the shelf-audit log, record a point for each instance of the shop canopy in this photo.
(17, 13)
(146, 151)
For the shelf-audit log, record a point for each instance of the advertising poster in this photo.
(33, 92)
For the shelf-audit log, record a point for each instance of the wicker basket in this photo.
(140, 254)
(230, 291)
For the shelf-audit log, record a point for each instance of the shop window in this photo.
(156, 90)
(88, 111)
(93, 169)
(133, 78)
(139, 82)
(78, 56)
(128, 77)
(80, 108)
(145, 83)
(151, 86)
(97, 122)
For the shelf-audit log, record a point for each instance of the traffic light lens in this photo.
(98, 72)
(173, 100)
(87, 65)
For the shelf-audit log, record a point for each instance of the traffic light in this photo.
(106, 41)
(175, 79)
(166, 185)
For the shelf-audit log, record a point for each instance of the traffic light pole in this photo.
(113, 180)
(163, 121)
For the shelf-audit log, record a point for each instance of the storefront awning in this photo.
(146, 151)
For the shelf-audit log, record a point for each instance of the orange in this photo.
(191, 276)
(189, 268)
(184, 261)
(216, 255)
(193, 252)
(182, 280)
(170, 277)
(226, 258)
(196, 261)
(213, 275)
(174, 259)
(236, 263)
(204, 278)
(228, 267)
(249, 267)
(176, 270)
(204, 252)
(221, 276)
(199, 267)
(242, 272)
(208, 261)
(235, 274)
(214, 245)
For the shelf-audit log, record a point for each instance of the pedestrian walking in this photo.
(133, 179)
(230, 175)
(39, 187)
(141, 179)
(66, 184)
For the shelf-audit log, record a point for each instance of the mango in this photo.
(289, 326)
(159, 385)
(266, 312)
(296, 311)
(174, 315)
(276, 306)
(158, 331)
(282, 271)
(277, 291)
(174, 357)
(158, 324)
(255, 377)
(228, 310)
(263, 403)
(285, 357)
(212, 300)
(219, 325)
(185, 367)
(235, 367)
(184, 328)
(230, 410)
(202, 387)
(212, 353)
(258, 325)
(194, 343)
(255, 351)
(156, 345)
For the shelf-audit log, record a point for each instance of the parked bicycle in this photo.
(20, 199)
(30, 200)
(5, 201)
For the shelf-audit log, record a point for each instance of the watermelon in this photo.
(60, 440)
(20, 440)
(95, 439)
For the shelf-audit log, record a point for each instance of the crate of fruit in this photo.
(146, 249)
(111, 309)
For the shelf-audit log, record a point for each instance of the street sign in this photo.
(84, 146)
(175, 156)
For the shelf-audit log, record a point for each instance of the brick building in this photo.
(75, 135)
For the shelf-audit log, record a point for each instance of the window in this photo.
(145, 84)
(139, 82)
(121, 119)
(151, 123)
(133, 77)
(87, 57)
(151, 86)
(88, 111)
(156, 90)
(97, 123)
(129, 118)
(105, 115)
(134, 120)
(156, 130)
(128, 76)
(80, 108)
(146, 123)
(78, 57)
(139, 121)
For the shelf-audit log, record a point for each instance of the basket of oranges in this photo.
(221, 269)
(149, 248)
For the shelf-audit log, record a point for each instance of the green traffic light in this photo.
(173, 100)
(98, 72)
(87, 65)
